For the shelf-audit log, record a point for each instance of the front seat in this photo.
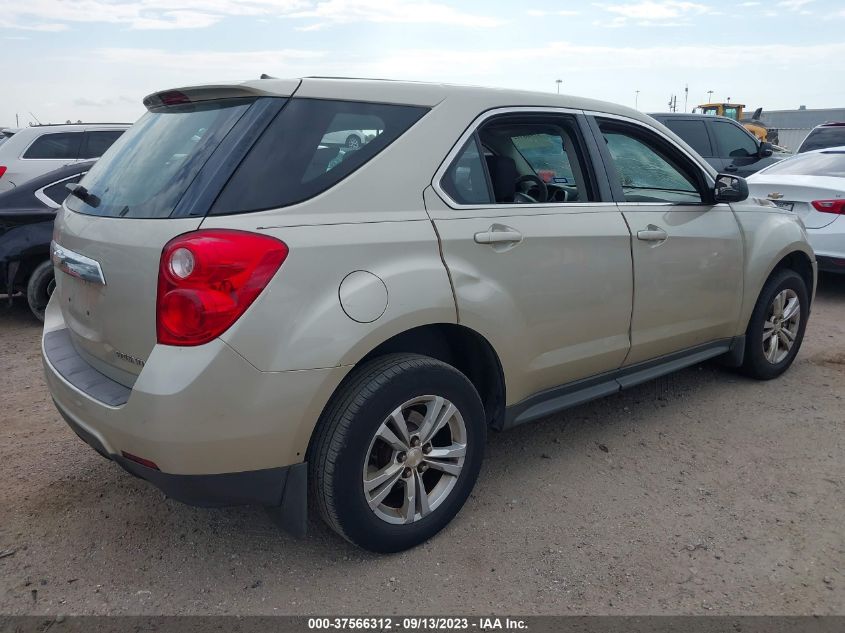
(503, 175)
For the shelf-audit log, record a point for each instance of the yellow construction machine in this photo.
(736, 111)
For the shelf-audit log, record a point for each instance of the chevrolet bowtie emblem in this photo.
(775, 196)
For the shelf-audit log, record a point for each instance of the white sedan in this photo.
(812, 185)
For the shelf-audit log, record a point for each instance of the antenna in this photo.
(686, 96)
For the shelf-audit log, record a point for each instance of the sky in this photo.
(95, 60)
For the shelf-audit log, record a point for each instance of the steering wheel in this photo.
(542, 191)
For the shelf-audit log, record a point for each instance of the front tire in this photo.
(40, 286)
(777, 325)
(397, 451)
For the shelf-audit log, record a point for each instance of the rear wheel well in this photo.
(462, 348)
(800, 263)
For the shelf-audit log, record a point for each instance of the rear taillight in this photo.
(830, 206)
(207, 279)
(2, 170)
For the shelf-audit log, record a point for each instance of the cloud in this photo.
(332, 12)
(654, 12)
(794, 5)
(539, 13)
(194, 14)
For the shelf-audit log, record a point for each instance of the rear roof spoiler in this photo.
(194, 94)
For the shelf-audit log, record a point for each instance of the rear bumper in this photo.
(284, 489)
(220, 431)
(829, 245)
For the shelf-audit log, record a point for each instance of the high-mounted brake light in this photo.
(207, 279)
(830, 206)
(174, 97)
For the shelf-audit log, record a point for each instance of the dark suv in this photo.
(722, 142)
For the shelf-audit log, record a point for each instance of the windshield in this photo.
(815, 164)
(146, 171)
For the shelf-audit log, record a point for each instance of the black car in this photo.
(722, 142)
(824, 136)
(26, 228)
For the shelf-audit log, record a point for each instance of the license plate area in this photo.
(786, 206)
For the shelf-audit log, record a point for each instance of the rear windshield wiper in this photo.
(82, 193)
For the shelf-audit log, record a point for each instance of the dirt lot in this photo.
(700, 493)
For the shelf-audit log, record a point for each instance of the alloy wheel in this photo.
(414, 459)
(780, 329)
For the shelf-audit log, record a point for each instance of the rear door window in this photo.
(304, 151)
(694, 134)
(148, 169)
(96, 143)
(57, 146)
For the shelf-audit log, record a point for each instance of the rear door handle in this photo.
(652, 234)
(498, 234)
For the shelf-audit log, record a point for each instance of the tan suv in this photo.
(244, 312)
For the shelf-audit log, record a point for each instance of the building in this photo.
(794, 125)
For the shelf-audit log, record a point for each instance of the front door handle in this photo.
(652, 234)
(498, 234)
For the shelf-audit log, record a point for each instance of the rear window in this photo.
(148, 169)
(824, 137)
(58, 191)
(61, 145)
(307, 149)
(816, 164)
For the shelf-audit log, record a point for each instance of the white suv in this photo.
(33, 151)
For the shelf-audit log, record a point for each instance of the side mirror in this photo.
(765, 150)
(730, 188)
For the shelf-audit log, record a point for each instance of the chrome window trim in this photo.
(471, 129)
(76, 265)
(703, 166)
(43, 197)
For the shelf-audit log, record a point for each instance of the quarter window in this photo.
(306, 150)
(648, 169)
(61, 145)
(733, 140)
(96, 143)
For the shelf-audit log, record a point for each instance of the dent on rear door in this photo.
(557, 306)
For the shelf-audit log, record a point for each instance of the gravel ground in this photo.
(703, 492)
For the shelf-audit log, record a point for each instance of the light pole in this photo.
(558, 82)
(636, 99)
(710, 96)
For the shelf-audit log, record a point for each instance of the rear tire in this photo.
(353, 142)
(777, 325)
(427, 476)
(40, 286)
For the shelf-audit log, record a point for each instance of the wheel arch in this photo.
(464, 349)
(773, 241)
(795, 257)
